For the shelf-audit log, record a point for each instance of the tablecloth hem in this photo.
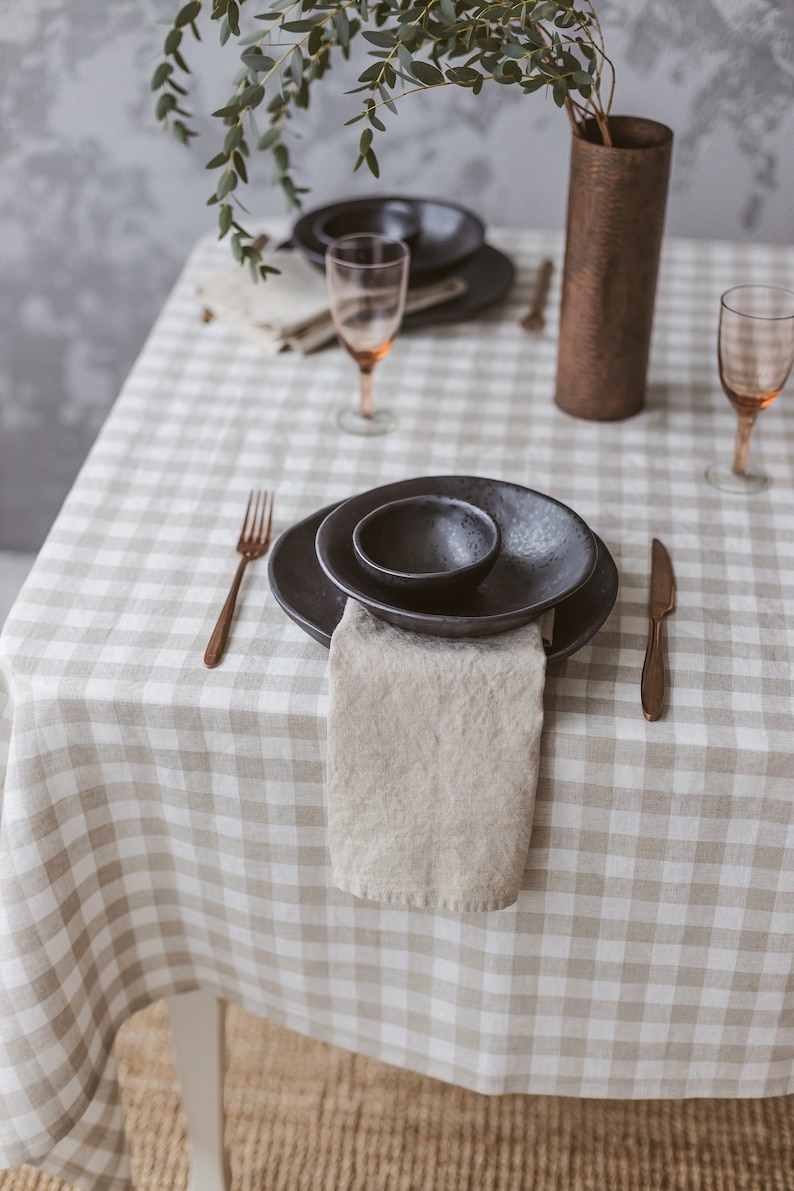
(83, 1180)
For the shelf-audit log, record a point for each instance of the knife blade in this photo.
(661, 600)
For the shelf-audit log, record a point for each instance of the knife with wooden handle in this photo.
(661, 601)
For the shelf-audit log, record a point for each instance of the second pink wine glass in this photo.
(755, 353)
(367, 281)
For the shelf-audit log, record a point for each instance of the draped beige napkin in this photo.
(433, 748)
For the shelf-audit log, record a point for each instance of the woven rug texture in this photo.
(304, 1116)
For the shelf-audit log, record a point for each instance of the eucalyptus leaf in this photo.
(257, 61)
(182, 133)
(188, 14)
(252, 96)
(296, 65)
(224, 219)
(342, 27)
(165, 104)
(233, 138)
(426, 73)
(372, 163)
(240, 167)
(299, 26)
(172, 41)
(378, 37)
(160, 75)
(226, 184)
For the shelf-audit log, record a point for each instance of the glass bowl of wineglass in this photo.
(367, 278)
(755, 351)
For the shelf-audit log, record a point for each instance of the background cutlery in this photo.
(661, 601)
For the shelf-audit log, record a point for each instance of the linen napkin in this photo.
(433, 753)
(290, 309)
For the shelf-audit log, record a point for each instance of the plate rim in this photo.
(435, 618)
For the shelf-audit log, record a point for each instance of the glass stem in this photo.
(744, 430)
(366, 383)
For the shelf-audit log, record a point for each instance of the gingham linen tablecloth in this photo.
(163, 825)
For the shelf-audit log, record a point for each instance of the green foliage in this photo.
(554, 46)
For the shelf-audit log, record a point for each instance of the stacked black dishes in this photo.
(547, 557)
(445, 240)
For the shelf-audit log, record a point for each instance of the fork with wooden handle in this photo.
(253, 543)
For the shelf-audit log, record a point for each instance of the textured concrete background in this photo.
(98, 207)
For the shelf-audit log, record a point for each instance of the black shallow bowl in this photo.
(547, 552)
(448, 234)
(393, 218)
(315, 604)
(429, 548)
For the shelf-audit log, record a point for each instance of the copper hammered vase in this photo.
(616, 203)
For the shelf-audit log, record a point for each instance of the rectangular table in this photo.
(163, 826)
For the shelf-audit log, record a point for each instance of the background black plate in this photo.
(448, 233)
(488, 274)
(308, 597)
(547, 553)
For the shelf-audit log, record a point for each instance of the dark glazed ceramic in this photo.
(447, 234)
(547, 553)
(393, 218)
(488, 274)
(427, 548)
(308, 596)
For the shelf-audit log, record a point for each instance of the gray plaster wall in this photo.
(98, 207)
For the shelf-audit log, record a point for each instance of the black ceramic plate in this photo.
(448, 234)
(488, 274)
(308, 596)
(547, 553)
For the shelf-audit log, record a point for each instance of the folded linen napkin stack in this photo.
(433, 754)
(290, 309)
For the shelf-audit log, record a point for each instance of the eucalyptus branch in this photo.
(533, 44)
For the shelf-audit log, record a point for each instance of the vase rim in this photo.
(656, 134)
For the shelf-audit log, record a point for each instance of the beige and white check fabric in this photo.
(163, 825)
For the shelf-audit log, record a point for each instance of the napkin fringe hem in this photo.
(459, 904)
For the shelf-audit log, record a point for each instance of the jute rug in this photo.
(303, 1116)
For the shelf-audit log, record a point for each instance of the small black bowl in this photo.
(392, 218)
(427, 547)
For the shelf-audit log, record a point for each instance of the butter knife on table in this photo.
(661, 601)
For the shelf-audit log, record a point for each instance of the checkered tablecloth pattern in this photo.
(163, 826)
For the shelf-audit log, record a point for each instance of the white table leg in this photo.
(197, 1032)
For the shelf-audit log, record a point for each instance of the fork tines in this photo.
(258, 518)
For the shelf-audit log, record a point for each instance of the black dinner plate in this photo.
(488, 274)
(448, 234)
(547, 552)
(311, 600)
